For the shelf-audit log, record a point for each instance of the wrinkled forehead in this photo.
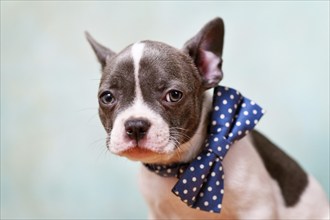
(154, 63)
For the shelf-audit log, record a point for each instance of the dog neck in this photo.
(193, 147)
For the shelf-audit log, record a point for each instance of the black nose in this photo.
(137, 128)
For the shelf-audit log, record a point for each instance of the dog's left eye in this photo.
(173, 96)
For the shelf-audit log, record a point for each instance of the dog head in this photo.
(151, 95)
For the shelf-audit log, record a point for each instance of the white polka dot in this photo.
(238, 123)
(193, 198)
(216, 108)
(201, 166)
(255, 111)
(226, 88)
(203, 176)
(209, 188)
(192, 168)
(246, 132)
(227, 124)
(208, 154)
(235, 106)
(219, 148)
(221, 191)
(232, 97)
(218, 93)
(263, 111)
(169, 170)
(206, 203)
(194, 189)
(216, 139)
(222, 116)
(184, 181)
(252, 103)
(224, 102)
(243, 105)
(213, 174)
(220, 168)
(247, 122)
(217, 159)
(239, 132)
(219, 206)
(210, 163)
(176, 193)
(194, 179)
(217, 183)
(223, 176)
(214, 123)
(246, 113)
(199, 158)
(214, 197)
(227, 146)
(201, 194)
(230, 110)
(230, 134)
(256, 121)
(218, 130)
(185, 191)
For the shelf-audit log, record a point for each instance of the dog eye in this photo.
(107, 98)
(173, 96)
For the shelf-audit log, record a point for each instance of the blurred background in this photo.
(54, 163)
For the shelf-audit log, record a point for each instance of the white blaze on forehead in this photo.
(137, 51)
(157, 138)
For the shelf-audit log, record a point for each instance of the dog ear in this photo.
(205, 48)
(102, 53)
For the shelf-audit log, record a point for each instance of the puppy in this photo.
(155, 109)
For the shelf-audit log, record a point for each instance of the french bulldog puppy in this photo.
(155, 109)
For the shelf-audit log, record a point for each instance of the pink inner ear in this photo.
(208, 66)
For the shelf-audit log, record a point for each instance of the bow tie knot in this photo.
(218, 146)
(201, 182)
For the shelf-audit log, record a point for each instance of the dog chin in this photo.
(146, 155)
(139, 154)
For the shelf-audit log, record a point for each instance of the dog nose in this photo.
(137, 128)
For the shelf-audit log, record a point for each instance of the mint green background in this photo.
(54, 164)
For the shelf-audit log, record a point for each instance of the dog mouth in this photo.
(138, 153)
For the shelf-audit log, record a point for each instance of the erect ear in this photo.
(102, 53)
(205, 48)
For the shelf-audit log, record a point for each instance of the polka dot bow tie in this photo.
(201, 182)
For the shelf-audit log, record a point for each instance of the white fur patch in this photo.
(157, 138)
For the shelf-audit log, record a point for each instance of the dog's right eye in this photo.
(107, 98)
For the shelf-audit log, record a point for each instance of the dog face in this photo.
(151, 94)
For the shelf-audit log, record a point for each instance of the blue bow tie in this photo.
(201, 182)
